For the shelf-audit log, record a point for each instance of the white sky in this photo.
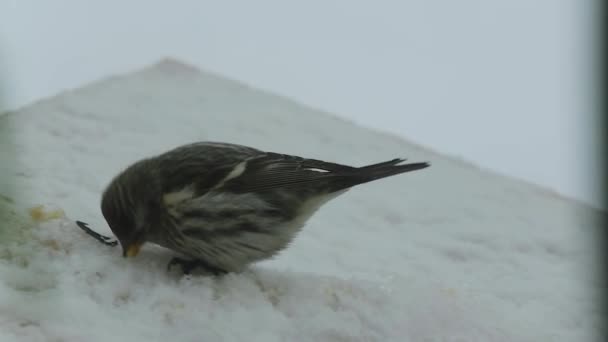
(504, 84)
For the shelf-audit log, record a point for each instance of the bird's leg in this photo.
(188, 265)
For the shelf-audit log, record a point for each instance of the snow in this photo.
(449, 253)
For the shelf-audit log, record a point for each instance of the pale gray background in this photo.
(505, 84)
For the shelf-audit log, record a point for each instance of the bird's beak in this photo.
(132, 250)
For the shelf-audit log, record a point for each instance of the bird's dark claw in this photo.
(188, 266)
(106, 240)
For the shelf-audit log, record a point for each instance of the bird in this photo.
(223, 206)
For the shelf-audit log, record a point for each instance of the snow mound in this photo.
(451, 253)
(69, 287)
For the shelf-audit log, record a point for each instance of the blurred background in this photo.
(508, 85)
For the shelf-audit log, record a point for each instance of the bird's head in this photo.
(126, 204)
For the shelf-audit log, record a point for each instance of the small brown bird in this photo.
(224, 206)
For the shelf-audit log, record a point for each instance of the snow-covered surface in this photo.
(450, 253)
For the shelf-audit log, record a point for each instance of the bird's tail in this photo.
(388, 168)
(374, 172)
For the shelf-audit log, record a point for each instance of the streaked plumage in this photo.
(225, 205)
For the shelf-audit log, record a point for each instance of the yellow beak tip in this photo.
(132, 251)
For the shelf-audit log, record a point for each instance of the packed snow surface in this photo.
(449, 253)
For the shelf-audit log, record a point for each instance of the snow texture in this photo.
(449, 253)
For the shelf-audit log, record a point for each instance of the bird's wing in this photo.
(273, 170)
(203, 164)
(240, 169)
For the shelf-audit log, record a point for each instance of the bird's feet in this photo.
(188, 266)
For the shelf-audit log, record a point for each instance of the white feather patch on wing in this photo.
(237, 171)
(316, 170)
(172, 199)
